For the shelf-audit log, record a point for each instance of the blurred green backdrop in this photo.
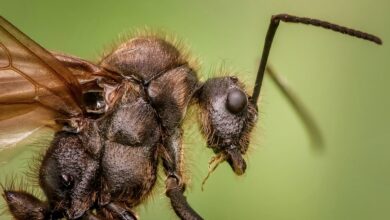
(343, 81)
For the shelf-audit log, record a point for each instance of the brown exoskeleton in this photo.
(116, 119)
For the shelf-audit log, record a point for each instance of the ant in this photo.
(115, 120)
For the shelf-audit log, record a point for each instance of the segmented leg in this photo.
(120, 212)
(179, 202)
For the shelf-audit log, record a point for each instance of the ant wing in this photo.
(35, 88)
(101, 87)
(88, 74)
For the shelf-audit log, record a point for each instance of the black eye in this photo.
(236, 101)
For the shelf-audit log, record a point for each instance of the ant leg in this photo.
(175, 185)
(120, 212)
(178, 200)
(172, 158)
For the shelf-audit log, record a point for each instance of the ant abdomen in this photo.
(24, 205)
(67, 175)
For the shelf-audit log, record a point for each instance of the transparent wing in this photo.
(35, 88)
(89, 75)
(16, 133)
(100, 87)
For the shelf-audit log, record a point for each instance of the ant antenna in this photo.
(303, 20)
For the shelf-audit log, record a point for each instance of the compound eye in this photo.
(236, 101)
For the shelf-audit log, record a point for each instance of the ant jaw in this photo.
(235, 160)
(233, 155)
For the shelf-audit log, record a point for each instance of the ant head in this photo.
(228, 115)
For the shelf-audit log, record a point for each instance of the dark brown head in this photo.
(228, 116)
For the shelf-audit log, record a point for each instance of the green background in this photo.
(343, 81)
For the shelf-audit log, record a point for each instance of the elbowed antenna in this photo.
(303, 20)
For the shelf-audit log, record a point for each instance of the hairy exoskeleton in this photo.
(117, 119)
(110, 163)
